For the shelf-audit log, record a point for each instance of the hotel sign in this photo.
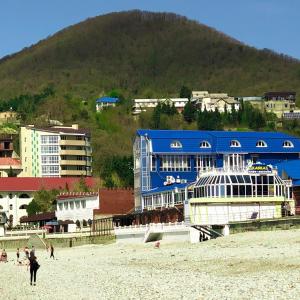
(260, 169)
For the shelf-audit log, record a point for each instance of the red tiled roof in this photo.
(23, 184)
(8, 161)
(115, 202)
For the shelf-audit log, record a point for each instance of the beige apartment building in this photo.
(55, 152)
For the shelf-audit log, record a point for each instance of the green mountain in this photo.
(144, 54)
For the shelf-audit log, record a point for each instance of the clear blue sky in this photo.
(272, 24)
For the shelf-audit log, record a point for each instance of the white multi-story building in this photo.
(216, 101)
(141, 105)
(55, 152)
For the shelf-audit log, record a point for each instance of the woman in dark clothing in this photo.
(33, 269)
(51, 251)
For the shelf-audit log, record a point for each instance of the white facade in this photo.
(142, 104)
(216, 101)
(78, 207)
(101, 105)
(14, 205)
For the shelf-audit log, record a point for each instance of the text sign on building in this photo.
(260, 168)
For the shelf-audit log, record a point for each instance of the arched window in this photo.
(24, 206)
(205, 144)
(1, 207)
(235, 143)
(287, 144)
(261, 144)
(176, 144)
(10, 206)
(1, 196)
(24, 196)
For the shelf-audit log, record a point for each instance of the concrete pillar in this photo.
(194, 235)
(225, 230)
(2, 230)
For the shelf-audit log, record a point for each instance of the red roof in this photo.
(8, 161)
(31, 184)
(115, 202)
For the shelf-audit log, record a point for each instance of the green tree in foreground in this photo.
(43, 201)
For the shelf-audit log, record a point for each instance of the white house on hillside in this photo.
(210, 102)
(140, 105)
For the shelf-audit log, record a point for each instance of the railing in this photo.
(145, 227)
(228, 170)
(225, 218)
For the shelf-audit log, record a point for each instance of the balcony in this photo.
(73, 143)
(75, 163)
(74, 152)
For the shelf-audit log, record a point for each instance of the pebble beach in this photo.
(252, 265)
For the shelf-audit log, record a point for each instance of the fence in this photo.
(102, 227)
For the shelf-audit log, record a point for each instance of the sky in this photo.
(271, 24)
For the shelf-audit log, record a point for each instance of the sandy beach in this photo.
(253, 265)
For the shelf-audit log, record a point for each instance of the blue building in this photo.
(166, 162)
(106, 102)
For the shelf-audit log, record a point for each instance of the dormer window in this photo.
(261, 144)
(176, 144)
(235, 143)
(205, 144)
(287, 144)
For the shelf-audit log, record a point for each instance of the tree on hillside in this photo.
(81, 185)
(209, 120)
(185, 92)
(117, 171)
(189, 112)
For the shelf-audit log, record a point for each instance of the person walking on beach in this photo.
(3, 256)
(26, 250)
(32, 252)
(51, 251)
(18, 255)
(34, 266)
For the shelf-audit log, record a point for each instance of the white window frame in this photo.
(205, 144)
(175, 144)
(287, 144)
(235, 144)
(261, 144)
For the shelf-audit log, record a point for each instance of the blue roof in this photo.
(291, 168)
(219, 141)
(107, 100)
(166, 188)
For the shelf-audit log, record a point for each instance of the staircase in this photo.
(206, 232)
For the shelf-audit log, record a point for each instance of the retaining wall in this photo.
(79, 241)
(265, 225)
